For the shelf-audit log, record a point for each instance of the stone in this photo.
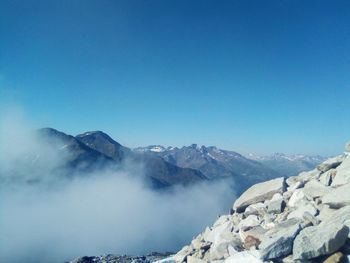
(347, 146)
(327, 177)
(326, 212)
(295, 186)
(304, 177)
(276, 206)
(183, 253)
(330, 163)
(256, 232)
(303, 207)
(315, 189)
(249, 222)
(255, 209)
(222, 219)
(338, 197)
(343, 173)
(259, 192)
(315, 241)
(243, 257)
(296, 197)
(278, 241)
(338, 217)
(191, 259)
(214, 235)
(290, 259)
(219, 249)
(337, 257)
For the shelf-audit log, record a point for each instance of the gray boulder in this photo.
(343, 173)
(330, 163)
(278, 241)
(259, 192)
(315, 241)
(338, 197)
(347, 146)
(315, 189)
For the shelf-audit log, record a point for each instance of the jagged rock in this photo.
(303, 177)
(251, 241)
(290, 259)
(315, 189)
(183, 253)
(343, 173)
(338, 197)
(276, 204)
(319, 240)
(219, 250)
(326, 212)
(255, 233)
(337, 257)
(347, 146)
(304, 207)
(296, 198)
(330, 163)
(259, 192)
(327, 177)
(295, 185)
(243, 257)
(278, 242)
(249, 222)
(222, 219)
(191, 259)
(255, 209)
(215, 234)
(339, 217)
(307, 223)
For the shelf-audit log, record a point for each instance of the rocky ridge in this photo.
(304, 218)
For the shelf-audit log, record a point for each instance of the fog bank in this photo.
(50, 219)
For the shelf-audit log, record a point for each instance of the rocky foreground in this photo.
(305, 218)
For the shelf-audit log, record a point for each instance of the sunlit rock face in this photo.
(304, 218)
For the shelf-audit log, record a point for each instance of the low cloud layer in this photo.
(54, 220)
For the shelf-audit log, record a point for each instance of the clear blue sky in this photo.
(252, 76)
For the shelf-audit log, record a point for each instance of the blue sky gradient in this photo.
(251, 76)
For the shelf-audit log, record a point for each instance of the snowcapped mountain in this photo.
(289, 165)
(214, 163)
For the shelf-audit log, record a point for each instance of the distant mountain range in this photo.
(167, 166)
(289, 165)
(95, 150)
(214, 163)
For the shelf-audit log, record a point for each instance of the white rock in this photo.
(255, 209)
(191, 259)
(222, 219)
(296, 197)
(259, 192)
(347, 146)
(338, 197)
(330, 163)
(214, 235)
(315, 189)
(343, 173)
(278, 242)
(249, 222)
(243, 257)
(275, 206)
(294, 186)
(319, 240)
(302, 208)
(327, 177)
